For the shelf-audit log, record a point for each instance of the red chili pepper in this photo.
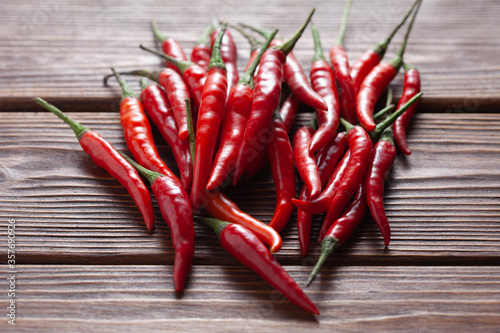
(377, 81)
(229, 56)
(176, 210)
(202, 50)
(305, 160)
(238, 105)
(340, 230)
(245, 247)
(266, 98)
(381, 161)
(280, 154)
(372, 57)
(105, 156)
(323, 82)
(169, 46)
(158, 109)
(209, 119)
(410, 88)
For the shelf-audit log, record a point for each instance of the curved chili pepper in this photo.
(323, 82)
(202, 50)
(245, 247)
(137, 131)
(372, 57)
(238, 105)
(305, 160)
(340, 230)
(105, 156)
(209, 119)
(229, 56)
(158, 108)
(381, 161)
(176, 210)
(360, 146)
(377, 81)
(411, 87)
(280, 154)
(169, 46)
(266, 98)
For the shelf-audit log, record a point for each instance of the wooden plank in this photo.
(60, 50)
(232, 299)
(443, 201)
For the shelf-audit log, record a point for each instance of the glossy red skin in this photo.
(207, 129)
(363, 66)
(157, 107)
(411, 87)
(371, 89)
(342, 228)
(245, 247)
(176, 210)
(266, 98)
(280, 155)
(360, 146)
(323, 201)
(201, 55)
(177, 92)
(323, 82)
(172, 48)
(305, 160)
(239, 103)
(340, 64)
(106, 157)
(381, 161)
(195, 77)
(220, 207)
(253, 55)
(229, 56)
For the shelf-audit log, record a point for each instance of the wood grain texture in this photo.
(59, 49)
(443, 201)
(232, 299)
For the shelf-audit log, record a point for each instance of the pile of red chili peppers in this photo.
(221, 125)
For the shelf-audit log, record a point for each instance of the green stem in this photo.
(205, 36)
(216, 224)
(216, 60)
(287, 46)
(140, 72)
(343, 25)
(181, 65)
(347, 125)
(388, 101)
(261, 31)
(383, 112)
(144, 83)
(160, 35)
(318, 48)
(255, 44)
(126, 89)
(151, 176)
(408, 66)
(328, 246)
(313, 123)
(192, 139)
(387, 135)
(78, 128)
(398, 59)
(382, 46)
(247, 77)
(381, 127)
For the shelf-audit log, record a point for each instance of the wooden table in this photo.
(84, 260)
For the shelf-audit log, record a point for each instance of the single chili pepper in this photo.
(266, 98)
(238, 105)
(377, 81)
(209, 120)
(323, 82)
(158, 108)
(245, 247)
(372, 57)
(305, 160)
(176, 210)
(341, 229)
(411, 87)
(202, 50)
(381, 161)
(137, 131)
(280, 155)
(105, 156)
(360, 146)
(229, 56)
(169, 46)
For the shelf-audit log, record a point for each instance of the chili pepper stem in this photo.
(398, 59)
(153, 76)
(343, 24)
(261, 31)
(192, 138)
(247, 77)
(318, 48)
(216, 224)
(180, 64)
(388, 100)
(151, 176)
(144, 83)
(78, 128)
(255, 44)
(205, 36)
(328, 246)
(160, 35)
(387, 135)
(216, 60)
(287, 46)
(126, 89)
(384, 111)
(347, 125)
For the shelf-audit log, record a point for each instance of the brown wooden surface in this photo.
(85, 261)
